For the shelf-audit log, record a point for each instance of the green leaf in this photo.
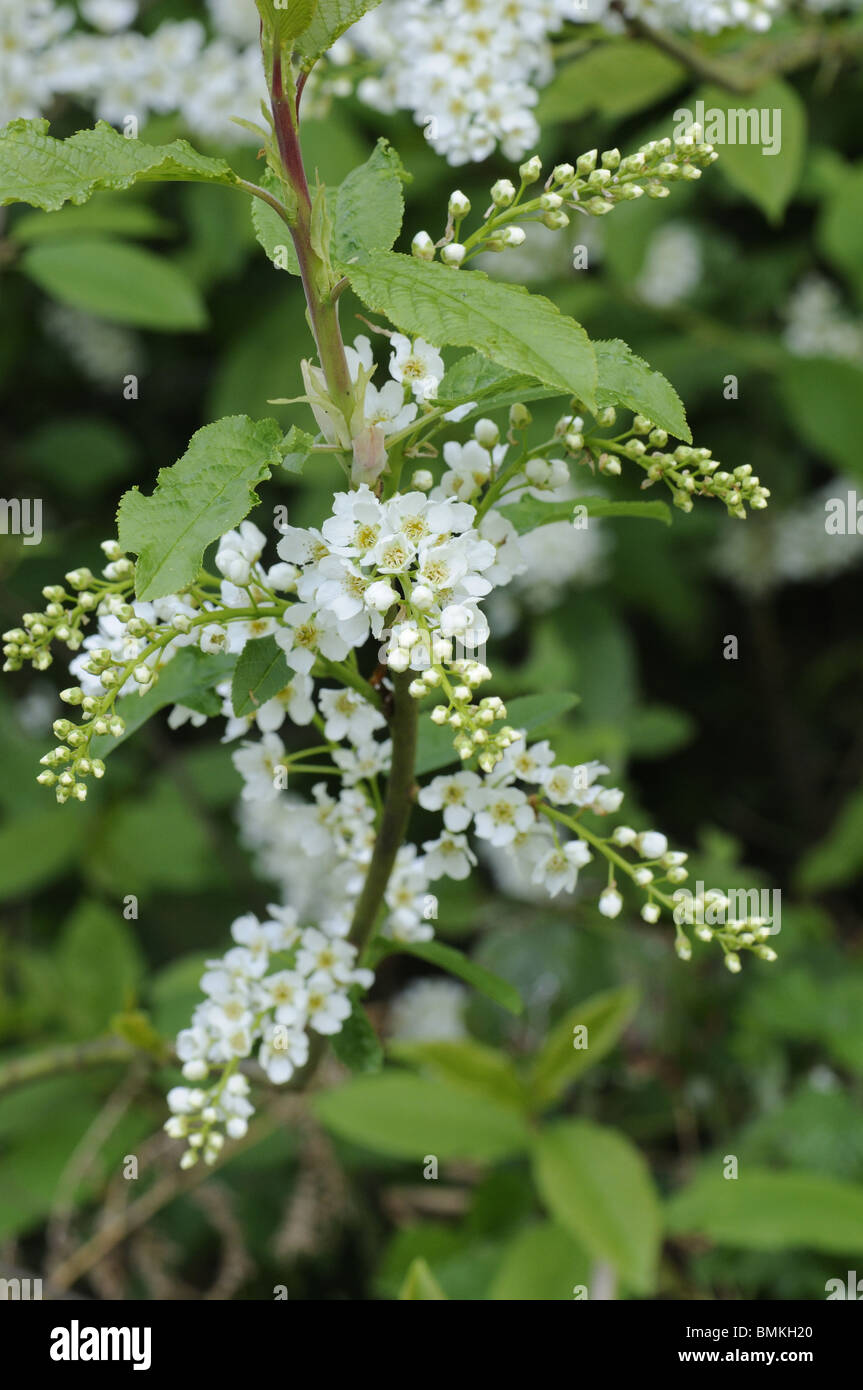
(821, 395)
(531, 512)
(289, 18)
(626, 379)
(107, 214)
(523, 332)
(100, 965)
(357, 1045)
(475, 378)
(407, 1116)
(154, 841)
(46, 173)
(135, 1026)
(838, 858)
(616, 79)
(369, 205)
(296, 448)
(188, 679)
(542, 1263)
(205, 494)
(597, 1186)
(455, 963)
(260, 673)
(124, 284)
(768, 180)
(466, 1064)
(838, 232)
(272, 231)
(764, 1210)
(528, 712)
(420, 1283)
(175, 990)
(331, 20)
(38, 846)
(559, 1062)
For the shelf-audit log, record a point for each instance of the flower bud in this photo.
(422, 247)
(454, 254)
(459, 205)
(503, 193)
(610, 902)
(530, 171)
(486, 432)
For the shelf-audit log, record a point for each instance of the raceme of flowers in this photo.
(274, 987)
(407, 574)
(479, 65)
(206, 72)
(474, 80)
(393, 582)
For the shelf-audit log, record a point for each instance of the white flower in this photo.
(559, 784)
(417, 364)
(284, 1050)
(449, 856)
(239, 551)
(309, 632)
(109, 15)
(295, 701)
(450, 795)
(360, 356)
(285, 991)
(281, 927)
(386, 407)
(181, 715)
(500, 813)
(258, 765)
(470, 468)
(366, 761)
(429, 1010)
(347, 715)
(328, 1006)
(558, 869)
(247, 931)
(527, 763)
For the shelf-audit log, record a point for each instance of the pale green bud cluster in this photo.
(595, 184)
(66, 613)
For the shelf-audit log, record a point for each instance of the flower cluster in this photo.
(208, 73)
(593, 186)
(475, 76)
(478, 66)
(475, 71)
(707, 914)
(273, 987)
(689, 472)
(709, 16)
